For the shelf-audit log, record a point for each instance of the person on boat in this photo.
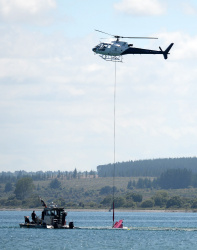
(27, 219)
(63, 218)
(42, 215)
(33, 216)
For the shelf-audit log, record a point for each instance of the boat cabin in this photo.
(54, 216)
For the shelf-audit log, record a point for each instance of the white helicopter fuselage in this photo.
(115, 48)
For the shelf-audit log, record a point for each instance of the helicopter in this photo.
(116, 49)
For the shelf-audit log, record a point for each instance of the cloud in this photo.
(189, 9)
(56, 102)
(156, 99)
(49, 100)
(29, 11)
(140, 7)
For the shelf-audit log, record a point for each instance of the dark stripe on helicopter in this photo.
(140, 51)
(147, 51)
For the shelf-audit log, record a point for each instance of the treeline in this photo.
(25, 195)
(41, 176)
(160, 199)
(170, 179)
(153, 168)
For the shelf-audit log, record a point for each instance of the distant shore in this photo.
(106, 210)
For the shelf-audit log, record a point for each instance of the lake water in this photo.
(154, 231)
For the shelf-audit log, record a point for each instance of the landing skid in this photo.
(111, 58)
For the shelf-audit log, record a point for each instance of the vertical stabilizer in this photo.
(166, 52)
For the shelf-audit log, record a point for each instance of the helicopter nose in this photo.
(94, 49)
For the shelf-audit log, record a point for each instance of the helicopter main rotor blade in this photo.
(127, 36)
(109, 34)
(104, 33)
(140, 37)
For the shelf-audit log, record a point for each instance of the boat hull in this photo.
(29, 225)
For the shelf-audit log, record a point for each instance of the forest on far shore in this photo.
(145, 168)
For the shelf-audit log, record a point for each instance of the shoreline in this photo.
(107, 210)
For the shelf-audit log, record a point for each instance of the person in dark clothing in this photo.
(27, 219)
(42, 215)
(33, 216)
(63, 218)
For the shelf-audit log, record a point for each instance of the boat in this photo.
(51, 217)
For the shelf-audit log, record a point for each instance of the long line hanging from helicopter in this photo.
(113, 52)
(116, 49)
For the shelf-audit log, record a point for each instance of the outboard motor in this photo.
(71, 225)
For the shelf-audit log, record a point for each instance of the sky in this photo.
(56, 96)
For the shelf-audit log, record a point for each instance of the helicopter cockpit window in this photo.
(103, 46)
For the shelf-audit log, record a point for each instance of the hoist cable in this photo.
(114, 141)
